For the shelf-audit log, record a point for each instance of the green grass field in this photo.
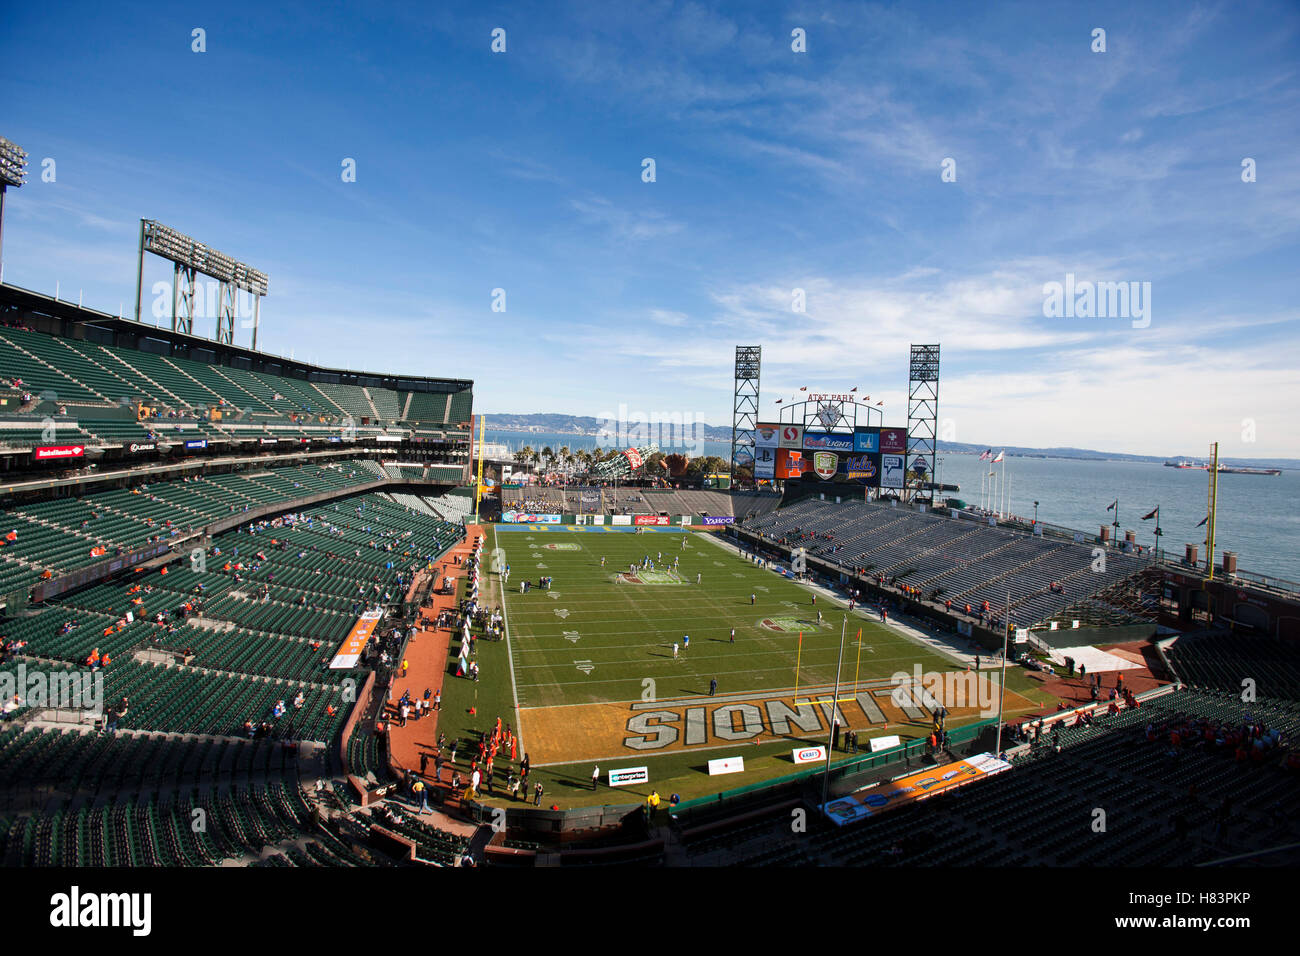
(596, 646)
(595, 638)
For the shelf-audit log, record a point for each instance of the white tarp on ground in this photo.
(1090, 657)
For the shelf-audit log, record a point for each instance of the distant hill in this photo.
(587, 426)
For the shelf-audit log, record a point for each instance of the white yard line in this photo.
(510, 656)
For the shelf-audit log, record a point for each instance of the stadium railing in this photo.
(737, 799)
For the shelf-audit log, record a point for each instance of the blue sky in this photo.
(775, 171)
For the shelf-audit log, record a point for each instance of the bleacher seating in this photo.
(948, 558)
(84, 375)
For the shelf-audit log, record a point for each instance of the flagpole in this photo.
(1002, 691)
(1003, 489)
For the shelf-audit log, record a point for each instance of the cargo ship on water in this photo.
(1223, 469)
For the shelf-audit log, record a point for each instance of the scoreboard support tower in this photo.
(744, 414)
(922, 420)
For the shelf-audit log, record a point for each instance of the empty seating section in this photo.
(1224, 661)
(461, 407)
(82, 373)
(1041, 812)
(39, 376)
(427, 407)
(948, 558)
(387, 402)
(350, 398)
(59, 536)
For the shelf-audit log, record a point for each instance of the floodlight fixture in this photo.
(190, 258)
(13, 167)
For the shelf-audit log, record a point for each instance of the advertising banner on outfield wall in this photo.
(893, 441)
(767, 436)
(809, 754)
(650, 519)
(628, 775)
(866, 439)
(765, 463)
(527, 517)
(891, 471)
(909, 789)
(620, 519)
(791, 436)
(864, 468)
(726, 765)
(791, 463)
(349, 654)
(717, 519)
(46, 452)
(825, 441)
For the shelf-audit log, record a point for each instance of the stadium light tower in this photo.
(13, 168)
(744, 414)
(190, 258)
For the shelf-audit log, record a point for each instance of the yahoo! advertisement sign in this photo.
(717, 519)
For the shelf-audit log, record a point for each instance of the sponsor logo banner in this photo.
(269, 441)
(138, 446)
(196, 443)
(809, 754)
(791, 436)
(825, 463)
(827, 441)
(650, 519)
(349, 654)
(46, 452)
(866, 439)
(891, 471)
(765, 462)
(878, 744)
(633, 458)
(920, 465)
(767, 436)
(865, 467)
(620, 519)
(909, 789)
(628, 775)
(528, 517)
(718, 519)
(893, 441)
(791, 463)
(726, 765)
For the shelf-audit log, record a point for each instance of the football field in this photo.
(593, 669)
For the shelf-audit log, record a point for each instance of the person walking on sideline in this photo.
(537, 794)
(595, 776)
(733, 636)
(713, 686)
(674, 651)
(751, 600)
